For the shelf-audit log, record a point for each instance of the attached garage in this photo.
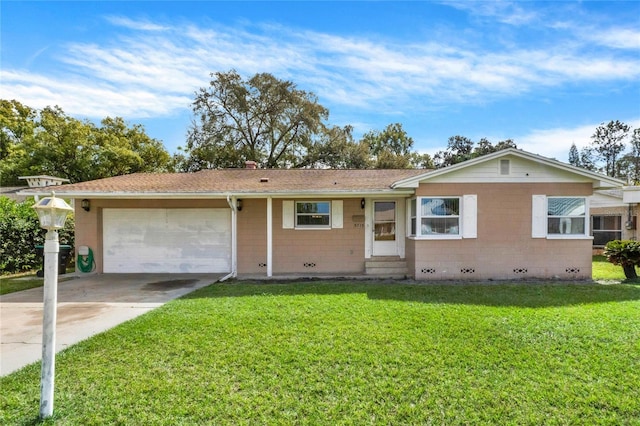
(176, 240)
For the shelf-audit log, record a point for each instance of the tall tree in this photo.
(574, 155)
(50, 142)
(390, 148)
(263, 119)
(630, 163)
(17, 129)
(608, 143)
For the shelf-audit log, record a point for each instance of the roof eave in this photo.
(221, 195)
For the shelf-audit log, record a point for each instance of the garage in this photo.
(166, 240)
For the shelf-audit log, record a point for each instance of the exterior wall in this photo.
(504, 248)
(88, 225)
(252, 237)
(320, 250)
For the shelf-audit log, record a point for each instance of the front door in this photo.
(384, 229)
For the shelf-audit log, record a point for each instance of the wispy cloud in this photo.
(555, 143)
(133, 24)
(153, 69)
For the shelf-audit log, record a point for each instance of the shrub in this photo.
(625, 253)
(20, 232)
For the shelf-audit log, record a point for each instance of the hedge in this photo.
(20, 232)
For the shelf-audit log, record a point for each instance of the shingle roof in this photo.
(244, 181)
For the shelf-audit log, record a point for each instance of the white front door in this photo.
(385, 240)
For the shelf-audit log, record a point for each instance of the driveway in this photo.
(87, 305)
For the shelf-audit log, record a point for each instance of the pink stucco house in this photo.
(507, 215)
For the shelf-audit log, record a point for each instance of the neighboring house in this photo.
(14, 192)
(506, 215)
(611, 218)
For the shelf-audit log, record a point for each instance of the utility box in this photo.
(63, 259)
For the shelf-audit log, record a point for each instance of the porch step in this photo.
(386, 267)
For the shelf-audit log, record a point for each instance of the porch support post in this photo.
(269, 237)
(234, 238)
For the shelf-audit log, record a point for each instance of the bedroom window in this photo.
(566, 215)
(439, 216)
(442, 217)
(313, 214)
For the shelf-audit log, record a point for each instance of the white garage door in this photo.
(166, 240)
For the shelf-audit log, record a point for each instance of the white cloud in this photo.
(153, 69)
(141, 25)
(555, 143)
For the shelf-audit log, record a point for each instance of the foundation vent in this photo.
(467, 271)
(520, 270)
(428, 271)
(309, 265)
(262, 265)
(572, 270)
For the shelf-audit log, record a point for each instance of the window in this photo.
(431, 216)
(605, 229)
(566, 215)
(313, 214)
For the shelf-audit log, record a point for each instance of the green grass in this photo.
(356, 353)
(10, 284)
(603, 270)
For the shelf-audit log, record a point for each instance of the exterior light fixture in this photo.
(86, 205)
(52, 213)
(239, 205)
(362, 203)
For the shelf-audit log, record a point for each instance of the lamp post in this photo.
(52, 213)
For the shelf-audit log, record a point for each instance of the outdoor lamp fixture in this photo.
(52, 213)
(362, 203)
(239, 205)
(86, 205)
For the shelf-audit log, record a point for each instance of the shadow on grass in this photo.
(530, 295)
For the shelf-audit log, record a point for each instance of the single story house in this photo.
(506, 215)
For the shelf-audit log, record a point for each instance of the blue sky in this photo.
(544, 74)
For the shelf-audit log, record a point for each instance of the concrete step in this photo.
(386, 267)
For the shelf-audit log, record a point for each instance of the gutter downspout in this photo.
(234, 239)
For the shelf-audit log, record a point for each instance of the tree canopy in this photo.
(263, 119)
(49, 142)
(460, 148)
(274, 123)
(607, 153)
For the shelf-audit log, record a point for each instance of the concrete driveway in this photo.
(87, 305)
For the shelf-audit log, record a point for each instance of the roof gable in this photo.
(511, 166)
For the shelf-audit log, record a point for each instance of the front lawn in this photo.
(356, 353)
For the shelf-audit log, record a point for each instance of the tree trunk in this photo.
(630, 271)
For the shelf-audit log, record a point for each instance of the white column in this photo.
(51, 249)
(269, 237)
(234, 238)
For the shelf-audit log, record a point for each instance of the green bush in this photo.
(20, 232)
(625, 253)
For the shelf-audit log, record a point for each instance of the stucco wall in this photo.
(504, 248)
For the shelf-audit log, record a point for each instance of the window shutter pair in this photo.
(289, 214)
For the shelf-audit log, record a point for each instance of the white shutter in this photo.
(470, 216)
(288, 214)
(539, 216)
(336, 214)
